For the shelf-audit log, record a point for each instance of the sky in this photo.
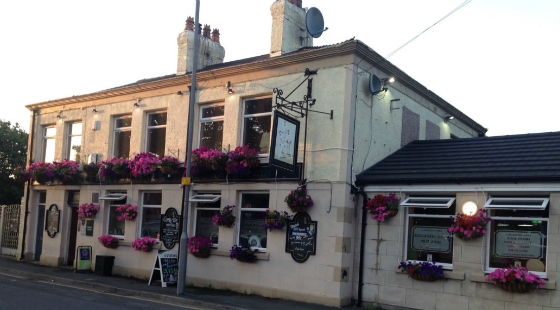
(495, 60)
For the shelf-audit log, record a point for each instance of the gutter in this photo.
(28, 189)
(362, 248)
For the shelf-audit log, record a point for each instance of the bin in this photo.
(104, 265)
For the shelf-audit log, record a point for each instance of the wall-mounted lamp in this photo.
(448, 117)
(385, 82)
(229, 88)
(137, 103)
(59, 115)
(470, 208)
(180, 93)
(94, 110)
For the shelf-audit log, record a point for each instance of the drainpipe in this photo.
(362, 248)
(28, 188)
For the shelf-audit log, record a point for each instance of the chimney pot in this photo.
(190, 24)
(216, 35)
(206, 31)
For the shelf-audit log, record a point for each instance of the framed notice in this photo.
(284, 144)
(431, 239)
(53, 219)
(519, 244)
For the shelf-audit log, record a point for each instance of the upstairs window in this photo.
(257, 124)
(74, 142)
(49, 144)
(155, 133)
(427, 222)
(121, 136)
(211, 128)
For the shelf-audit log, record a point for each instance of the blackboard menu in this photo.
(169, 267)
(170, 228)
(53, 216)
(301, 237)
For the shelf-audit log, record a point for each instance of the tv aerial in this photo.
(315, 23)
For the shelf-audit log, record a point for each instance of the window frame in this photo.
(110, 203)
(240, 213)
(488, 250)
(70, 134)
(120, 129)
(148, 127)
(196, 208)
(45, 139)
(450, 202)
(141, 212)
(202, 120)
(245, 116)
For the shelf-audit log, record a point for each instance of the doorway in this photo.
(73, 201)
(40, 225)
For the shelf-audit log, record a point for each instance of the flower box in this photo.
(425, 271)
(109, 241)
(242, 253)
(145, 244)
(515, 280)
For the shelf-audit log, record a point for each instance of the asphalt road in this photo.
(20, 293)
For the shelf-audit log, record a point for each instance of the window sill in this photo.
(447, 274)
(260, 255)
(157, 246)
(480, 277)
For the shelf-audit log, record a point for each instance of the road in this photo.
(24, 294)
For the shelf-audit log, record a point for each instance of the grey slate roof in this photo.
(515, 158)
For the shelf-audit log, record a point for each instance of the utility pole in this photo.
(185, 211)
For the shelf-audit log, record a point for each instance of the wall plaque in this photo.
(522, 244)
(431, 238)
(53, 219)
(301, 237)
(89, 228)
(170, 228)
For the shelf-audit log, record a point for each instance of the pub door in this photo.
(73, 232)
(40, 231)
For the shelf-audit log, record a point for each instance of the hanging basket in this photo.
(514, 288)
(422, 277)
(113, 245)
(228, 222)
(475, 235)
(202, 253)
(392, 213)
(246, 260)
(167, 169)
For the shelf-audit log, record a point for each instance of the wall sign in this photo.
(53, 218)
(301, 237)
(431, 238)
(284, 143)
(170, 228)
(515, 243)
(89, 228)
(167, 265)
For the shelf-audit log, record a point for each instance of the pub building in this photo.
(513, 178)
(316, 116)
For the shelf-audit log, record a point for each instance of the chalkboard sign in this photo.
(170, 228)
(53, 217)
(167, 265)
(301, 237)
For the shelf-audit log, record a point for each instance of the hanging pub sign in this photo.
(53, 218)
(170, 228)
(301, 237)
(284, 144)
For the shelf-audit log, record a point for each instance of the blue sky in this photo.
(495, 60)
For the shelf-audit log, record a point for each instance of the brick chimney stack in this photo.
(289, 32)
(210, 52)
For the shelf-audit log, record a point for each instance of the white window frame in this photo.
(260, 210)
(120, 129)
(487, 268)
(204, 197)
(47, 138)
(417, 202)
(262, 156)
(202, 120)
(110, 203)
(69, 137)
(141, 211)
(148, 127)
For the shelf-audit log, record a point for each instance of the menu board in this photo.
(53, 217)
(170, 228)
(431, 238)
(167, 266)
(301, 237)
(522, 244)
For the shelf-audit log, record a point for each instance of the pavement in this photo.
(194, 296)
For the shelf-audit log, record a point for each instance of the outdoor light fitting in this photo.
(94, 110)
(448, 117)
(137, 103)
(229, 88)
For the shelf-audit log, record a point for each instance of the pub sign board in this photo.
(301, 237)
(170, 228)
(53, 220)
(284, 142)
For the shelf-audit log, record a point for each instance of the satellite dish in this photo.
(374, 84)
(314, 22)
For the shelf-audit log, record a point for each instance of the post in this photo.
(185, 211)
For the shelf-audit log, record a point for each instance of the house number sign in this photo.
(53, 216)
(301, 237)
